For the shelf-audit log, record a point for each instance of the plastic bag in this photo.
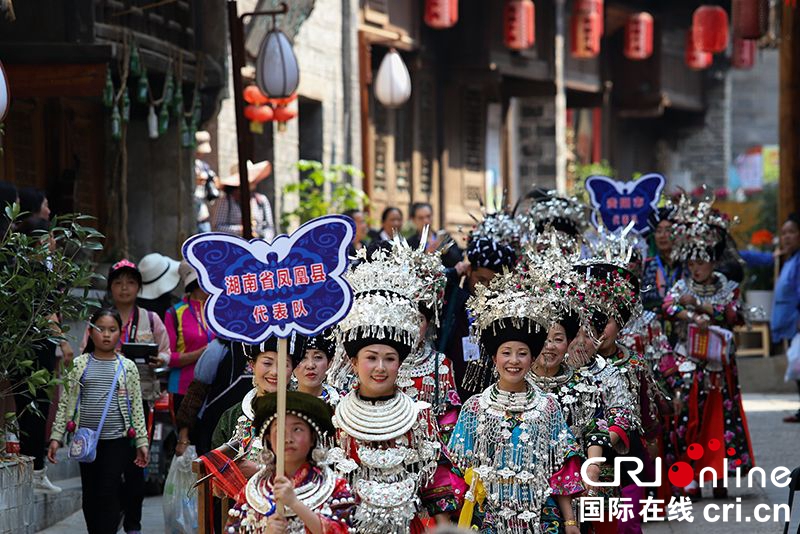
(793, 357)
(180, 501)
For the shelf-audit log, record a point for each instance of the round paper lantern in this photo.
(441, 14)
(284, 114)
(639, 36)
(263, 114)
(696, 59)
(710, 29)
(744, 53)
(252, 95)
(250, 112)
(519, 24)
(277, 73)
(393, 82)
(750, 18)
(586, 28)
(5, 93)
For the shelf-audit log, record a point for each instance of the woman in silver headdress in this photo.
(512, 440)
(309, 375)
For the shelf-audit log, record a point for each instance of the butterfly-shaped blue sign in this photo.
(259, 289)
(619, 203)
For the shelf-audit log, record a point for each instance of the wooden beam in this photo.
(789, 112)
(44, 80)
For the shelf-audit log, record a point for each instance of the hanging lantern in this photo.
(277, 73)
(284, 114)
(252, 95)
(519, 24)
(5, 93)
(639, 36)
(586, 28)
(750, 18)
(696, 59)
(250, 112)
(441, 14)
(392, 83)
(710, 29)
(744, 53)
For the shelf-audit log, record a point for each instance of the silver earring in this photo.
(267, 457)
(319, 455)
(254, 381)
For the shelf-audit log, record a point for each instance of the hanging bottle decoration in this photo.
(135, 65)
(441, 14)
(169, 90)
(393, 82)
(108, 90)
(750, 18)
(586, 28)
(277, 73)
(696, 59)
(519, 24)
(152, 123)
(126, 105)
(163, 119)
(142, 88)
(639, 36)
(744, 53)
(177, 101)
(116, 124)
(710, 29)
(186, 138)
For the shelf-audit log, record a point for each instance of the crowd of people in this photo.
(464, 387)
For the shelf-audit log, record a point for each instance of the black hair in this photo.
(388, 211)
(416, 206)
(795, 218)
(30, 200)
(571, 323)
(116, 273)
(191, 286)
(96, 316)
(350, 213)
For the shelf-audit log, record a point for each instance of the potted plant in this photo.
(42, 276)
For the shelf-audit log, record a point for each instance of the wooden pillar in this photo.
(789, 111)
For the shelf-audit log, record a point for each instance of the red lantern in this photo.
(695, 59)
(253, 95)
(519, 24)
(250, 112)
(441, 14)
(710, 29)
(744, 53)
(639, 36)
(586, 28)
(284, 114)
(263, 114)
(750, 18)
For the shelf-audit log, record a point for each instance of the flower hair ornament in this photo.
(700, 231)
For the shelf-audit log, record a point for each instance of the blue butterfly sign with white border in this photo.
(619, 203)
(258, 289)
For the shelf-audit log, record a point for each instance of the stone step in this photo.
(64, 469)
(52, 508)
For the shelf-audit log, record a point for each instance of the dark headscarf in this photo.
(485, 252)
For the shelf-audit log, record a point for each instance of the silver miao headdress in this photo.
(566, 214)
(699, 230)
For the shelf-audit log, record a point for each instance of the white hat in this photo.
(187, 273)
(255, 173)
(159, 275)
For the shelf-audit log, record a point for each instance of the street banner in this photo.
(618, 203)
(259, 289)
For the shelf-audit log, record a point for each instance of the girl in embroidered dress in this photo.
(387, 444)
(316, 500)
(705, 309)
(512, 440)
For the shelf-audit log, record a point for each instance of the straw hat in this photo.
(256, 172)
(187, 273)
(203, 139)
(159, 275)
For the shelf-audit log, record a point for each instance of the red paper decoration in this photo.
(441, 14)
(253, 95)
(696, 59)
(710, 29)
(586, 28)
(258, 113)
(639, 36)
(519, 24)
(744, 53)
(284, 114)
(750, 18)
